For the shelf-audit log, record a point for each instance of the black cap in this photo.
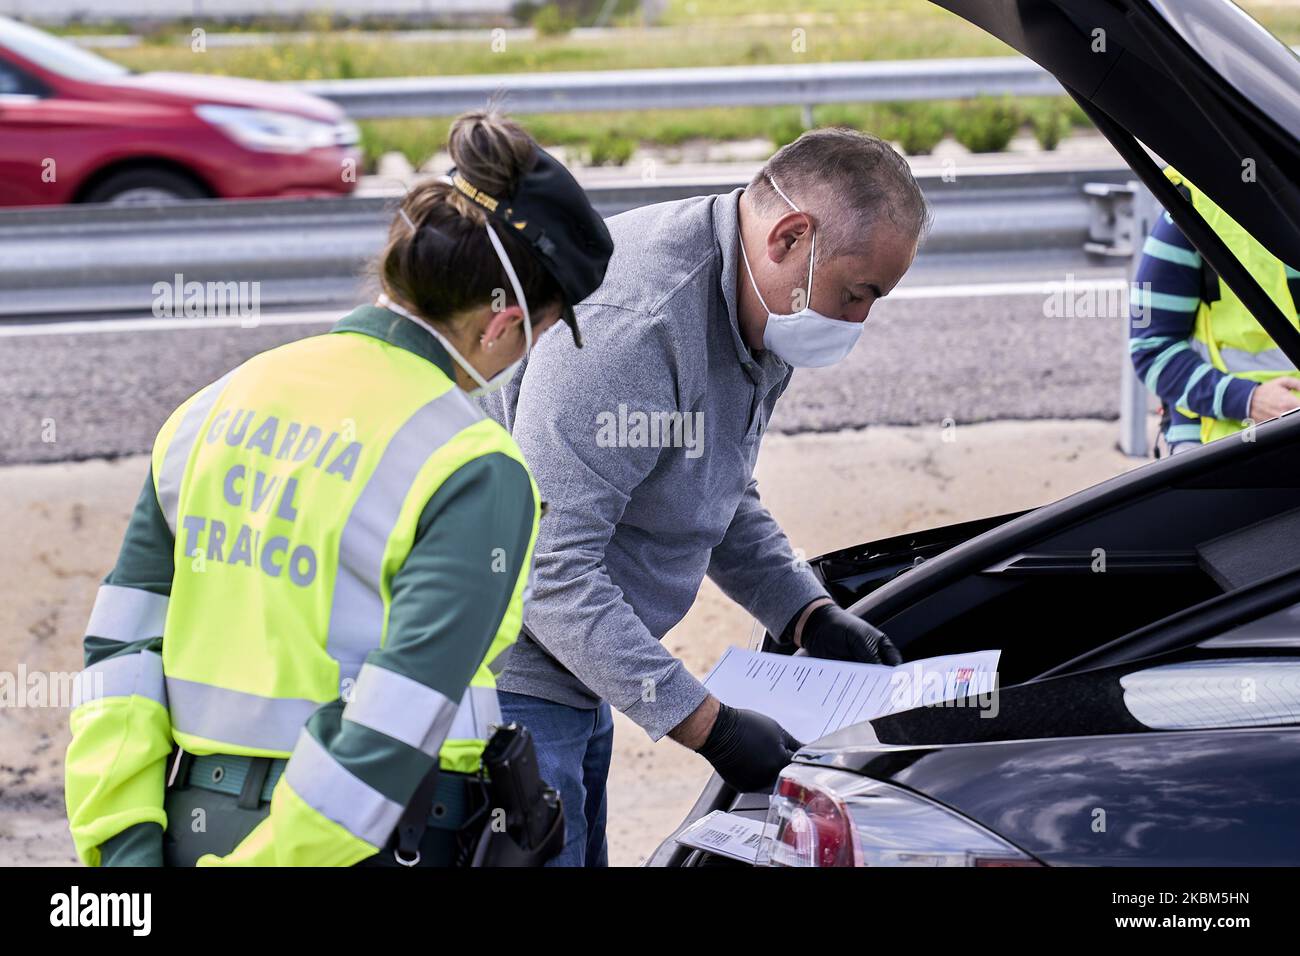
(552, 214)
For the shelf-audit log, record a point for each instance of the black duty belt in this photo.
(453, 801)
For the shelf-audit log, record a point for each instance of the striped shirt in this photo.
(1160, 342)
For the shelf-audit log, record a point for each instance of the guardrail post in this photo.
(1135, 400)
(1119, 218)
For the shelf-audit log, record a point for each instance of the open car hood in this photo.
(1199, 83)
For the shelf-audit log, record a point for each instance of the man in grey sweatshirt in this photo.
(644, 448)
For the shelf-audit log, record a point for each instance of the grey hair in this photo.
(849, 182)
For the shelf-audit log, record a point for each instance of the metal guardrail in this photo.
(88, 259)
(691, 88)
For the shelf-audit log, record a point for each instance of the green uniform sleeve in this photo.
(448, 601)
(121, 733)
(138, 845)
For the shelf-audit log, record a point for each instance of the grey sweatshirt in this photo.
(643, 444)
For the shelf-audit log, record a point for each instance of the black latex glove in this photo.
(747, 749)
(833, 633)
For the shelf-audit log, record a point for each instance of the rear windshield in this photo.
(1259, 65)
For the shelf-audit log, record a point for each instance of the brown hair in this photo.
(443, 262)
(850, 180)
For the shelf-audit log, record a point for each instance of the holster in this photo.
(519, 822)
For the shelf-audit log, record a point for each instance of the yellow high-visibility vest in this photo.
(293, 487)
(293, 505)
(1227, 335)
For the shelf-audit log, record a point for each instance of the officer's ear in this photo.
(500, 323)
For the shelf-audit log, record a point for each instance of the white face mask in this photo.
(805, 339)
(485, 386)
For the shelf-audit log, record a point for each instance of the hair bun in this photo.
(490, 151)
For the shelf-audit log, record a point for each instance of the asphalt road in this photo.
(962, 342)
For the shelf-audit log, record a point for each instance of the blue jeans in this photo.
(574, 747)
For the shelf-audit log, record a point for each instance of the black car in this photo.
(1150, 626)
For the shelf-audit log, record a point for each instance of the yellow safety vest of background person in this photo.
(1227, 335)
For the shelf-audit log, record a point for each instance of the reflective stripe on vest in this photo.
(235, 717)
(1241, 362)
(127, 614)
(402, 708)
(329, 788)
(1227, 335)
(273, 723)
(139, 674)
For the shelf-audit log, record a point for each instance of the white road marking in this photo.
(986, 289)
(82, 327)
(85, 326)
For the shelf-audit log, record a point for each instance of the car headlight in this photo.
(268, 131)
(822, 817)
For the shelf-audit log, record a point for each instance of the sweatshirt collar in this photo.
(396, 330)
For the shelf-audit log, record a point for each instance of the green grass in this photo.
(364, 54)
(703, 33)
(894, 29)
(917, 125)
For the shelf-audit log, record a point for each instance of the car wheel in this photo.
(145, 187)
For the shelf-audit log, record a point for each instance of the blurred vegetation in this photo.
(552, 21)
(1050, 124)
(610, 149)
(916, 127)
(691, 33)
(987, 125)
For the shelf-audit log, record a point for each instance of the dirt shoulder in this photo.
(63, 525)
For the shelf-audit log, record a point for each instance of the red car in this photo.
(75, 127)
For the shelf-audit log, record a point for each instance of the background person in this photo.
(1192, 341)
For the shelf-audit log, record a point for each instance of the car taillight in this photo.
(815, 828)
(822, 817)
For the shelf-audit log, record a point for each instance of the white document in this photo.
(811, 697)
(727, 834)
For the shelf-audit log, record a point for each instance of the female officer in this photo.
(293, 654)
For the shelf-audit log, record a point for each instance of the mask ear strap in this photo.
(783, 195)
(514, 284)
(811, 258)
(523, 305)
(744, 255)
(384, 302)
